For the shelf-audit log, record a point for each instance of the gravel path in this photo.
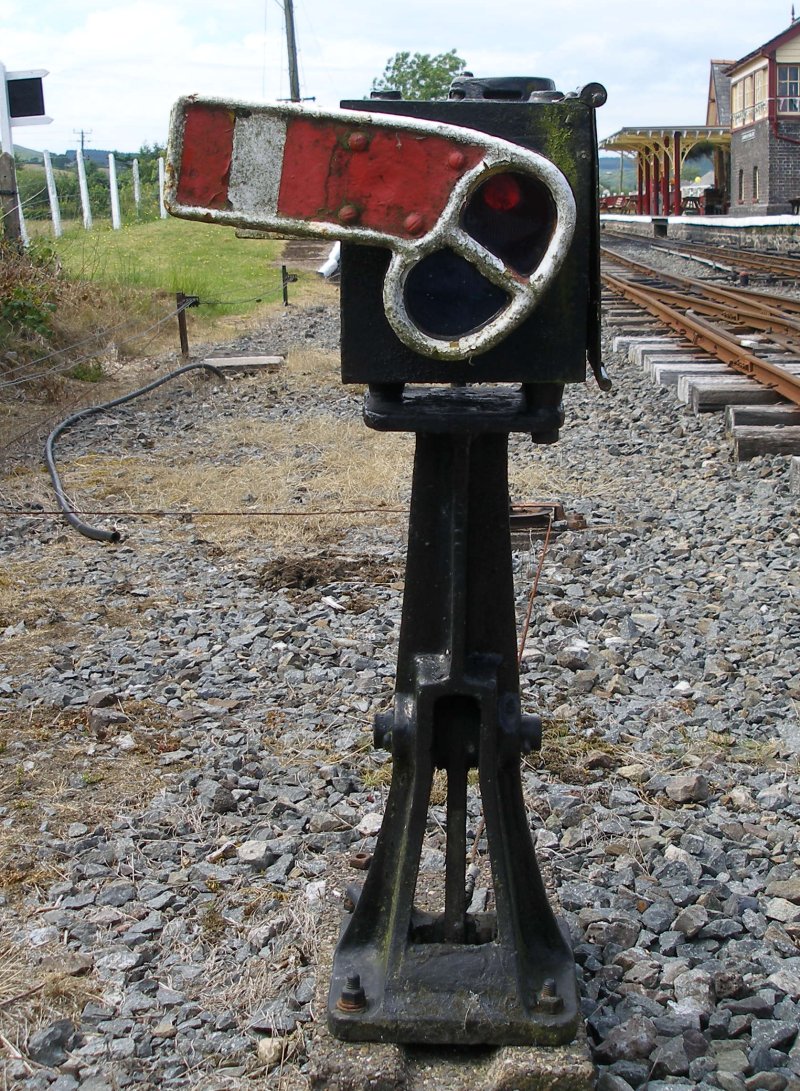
(186, 763)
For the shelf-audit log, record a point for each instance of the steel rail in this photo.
(769, 264)
(706, 336)
(777, 305)
(781, 266)
(753, 317)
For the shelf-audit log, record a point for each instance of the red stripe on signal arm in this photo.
(399, 175)
(206, 157)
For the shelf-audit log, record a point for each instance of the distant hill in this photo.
(28, 155)
(95, 155)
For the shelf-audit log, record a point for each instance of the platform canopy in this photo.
(640, 139)
(660, 153)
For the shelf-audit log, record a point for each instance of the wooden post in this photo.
(113, 188)
(9, 199)
(291, 46)
(183, 332)
(84, 188)
(52, 194)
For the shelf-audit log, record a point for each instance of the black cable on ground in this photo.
(49, 453)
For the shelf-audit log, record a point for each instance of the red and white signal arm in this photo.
(415, 187)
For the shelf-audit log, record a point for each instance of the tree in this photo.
(419, 75)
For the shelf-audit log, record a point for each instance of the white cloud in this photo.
(117, 65)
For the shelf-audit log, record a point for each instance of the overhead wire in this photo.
(21, 204)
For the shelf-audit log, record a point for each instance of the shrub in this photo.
(28, 291)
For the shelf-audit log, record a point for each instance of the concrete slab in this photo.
(236, 364)
(708, 396)
(672, 374)
(623, 342)
(640, 354)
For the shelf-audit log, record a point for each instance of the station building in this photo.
(765, 127)
(752, 131)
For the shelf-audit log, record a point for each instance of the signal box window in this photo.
(755, 184)
(789, 88)
(749, 99)
(741, 186)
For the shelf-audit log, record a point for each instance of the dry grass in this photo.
(326, 465)
(54, 770)
(37, 988)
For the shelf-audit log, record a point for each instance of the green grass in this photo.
(175, 256)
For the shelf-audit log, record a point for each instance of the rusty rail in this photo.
(773, 265)
(729, 259)
(678, 311)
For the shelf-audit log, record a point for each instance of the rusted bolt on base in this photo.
(358, 142)
(360, 860)
(348, 214)
(352, 998)
(549, 1000)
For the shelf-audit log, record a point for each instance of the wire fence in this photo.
(62, 361)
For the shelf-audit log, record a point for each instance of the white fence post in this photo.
(116, 222)
(161, 180)
(52, 193)
(26, 239)
(87, 208)
(137, 188)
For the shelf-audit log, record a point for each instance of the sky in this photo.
(116, 66)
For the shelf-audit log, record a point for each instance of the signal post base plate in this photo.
(383, 1066)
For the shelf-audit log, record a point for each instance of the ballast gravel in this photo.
(663, 656)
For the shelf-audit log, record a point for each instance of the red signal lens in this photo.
(513, 215)
(502, 192)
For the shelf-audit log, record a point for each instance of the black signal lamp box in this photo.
(551, 345)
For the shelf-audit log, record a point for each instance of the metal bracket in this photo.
(456, 977)
(375, 179)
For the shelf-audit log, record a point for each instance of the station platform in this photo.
(759, 232)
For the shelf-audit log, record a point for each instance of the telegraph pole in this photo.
(82, 133)
(291, 45)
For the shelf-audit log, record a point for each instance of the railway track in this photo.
(730, 260)
(755, 334)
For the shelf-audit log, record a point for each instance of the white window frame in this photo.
(789, 88)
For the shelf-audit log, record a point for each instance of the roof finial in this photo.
(793, 19)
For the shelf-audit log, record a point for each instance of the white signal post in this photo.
(9, 117)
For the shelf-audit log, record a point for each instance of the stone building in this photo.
(765, 127)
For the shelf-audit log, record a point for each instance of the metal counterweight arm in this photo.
(375, 179)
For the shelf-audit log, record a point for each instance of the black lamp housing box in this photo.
(548, 347)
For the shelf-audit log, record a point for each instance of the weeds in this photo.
(29, 291)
